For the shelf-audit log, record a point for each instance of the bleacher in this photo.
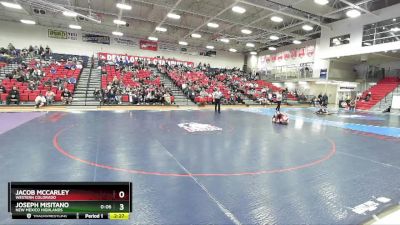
(378, 92)
(64, 57)
(27, 95)
(128, 79)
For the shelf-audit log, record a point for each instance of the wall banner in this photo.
(123, 41)
(131, 58)
(148, 45)
(95, 38)
(60, 34)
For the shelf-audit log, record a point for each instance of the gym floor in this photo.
(199, 167)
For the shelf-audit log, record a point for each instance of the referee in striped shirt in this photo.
(217, 95)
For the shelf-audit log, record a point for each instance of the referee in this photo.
(217, 95)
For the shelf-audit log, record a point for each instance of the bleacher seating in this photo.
(129, 79)
(59, 57)
(27, 95)
(378, 92)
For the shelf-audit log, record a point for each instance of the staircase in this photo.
(94, 83)
(378, 92)
(386, 101)
(180, 98)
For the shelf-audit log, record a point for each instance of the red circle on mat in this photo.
(331, 152)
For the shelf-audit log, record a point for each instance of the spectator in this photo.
(368, 97)
(40, 101)
(13, 96)
(50, 97)
(66, 96)
(3, 89)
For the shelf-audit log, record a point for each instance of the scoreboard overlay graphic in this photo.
(70, 200)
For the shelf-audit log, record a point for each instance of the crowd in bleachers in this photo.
(199, 83)
(135, 84)
(39, 81)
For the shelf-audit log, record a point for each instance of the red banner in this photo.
(131, 58)
(148, 45)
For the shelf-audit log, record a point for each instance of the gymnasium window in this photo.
(381, 32)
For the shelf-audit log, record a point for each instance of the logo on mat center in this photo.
(198, 127)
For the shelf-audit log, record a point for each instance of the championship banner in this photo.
(60, 34)
(148, 45)
(131, 58)
(94, 38)
(288, 57)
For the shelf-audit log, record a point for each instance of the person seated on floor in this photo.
(50, 95)
(97, 94)
(40, 101)
(280, 118)
(133, 98)
(3, 89)
(66, 96)
(13, 96)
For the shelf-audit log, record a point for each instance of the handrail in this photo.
(88, 81)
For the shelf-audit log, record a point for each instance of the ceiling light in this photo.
(76, 27)
(70, 13)
(161, 29)
(119, 22)
(117, 33)
(246, 31)
(232, 50)
(183, 43)
(276, 19)
(11, 5)
(394, 20)
(253, 53)
(272, 48)
(367, 44)
(274, 37)
(210, 47)
(238, 9)
(296, 42)
(307, 27)
(321, 2)
(152, 38)
(225, 40)
(395, 29)
(352, 13)
(31, 22)
(194, 35)
(250, 45)
(124, 6)
(173, 16)
(213, 25)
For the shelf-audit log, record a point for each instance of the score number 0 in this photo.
(121, 194)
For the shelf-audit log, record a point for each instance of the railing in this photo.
(88, 80)
(289, 75)
(396, 91)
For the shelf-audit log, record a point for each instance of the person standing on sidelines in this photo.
(217, 95)
(278, 101)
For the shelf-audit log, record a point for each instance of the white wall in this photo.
(22, 36)
(354, 27)
(319, 64)
(341, 71)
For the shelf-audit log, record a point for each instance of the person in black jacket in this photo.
(13, 96)
(66, 96)
(2, 88)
